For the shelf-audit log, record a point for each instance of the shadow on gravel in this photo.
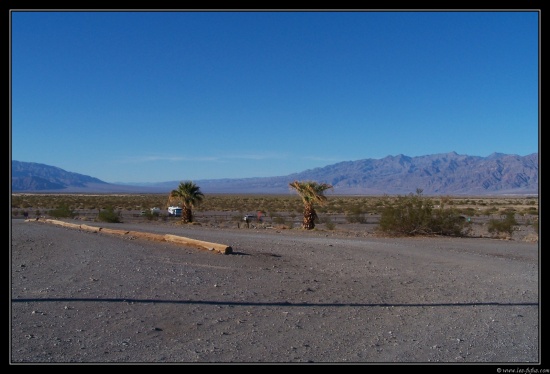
(246, 303)
(256, 254)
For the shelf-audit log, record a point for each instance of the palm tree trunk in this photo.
(309, 218)
(186, 214)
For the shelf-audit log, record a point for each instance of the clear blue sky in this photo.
(162, 96)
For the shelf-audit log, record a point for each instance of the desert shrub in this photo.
(150, 215)
(108, 215)
(278, 220)
(506, 225)
(407, 215)
(508, 211)
(449, 222)
(414, 215)
(490, 211)
(532, 210)
(329, 225)
(62, 211)
(356, 215)
(469, 211)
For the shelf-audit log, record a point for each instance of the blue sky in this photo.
(161, 96)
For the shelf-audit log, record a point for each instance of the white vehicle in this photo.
(174, 211)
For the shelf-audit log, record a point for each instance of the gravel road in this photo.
(282, 296)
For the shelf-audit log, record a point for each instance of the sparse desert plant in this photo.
(449, 222)
(108, 215)
(278, 220)
(506, 225)
(329, 225)
(62, 211)
(414, 215)
(150, 214)
(469, 212)
(490, 211)
(533, 210)
(408, 216)
(356, 215)
(287, 205)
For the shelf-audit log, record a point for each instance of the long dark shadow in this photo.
(280, 303)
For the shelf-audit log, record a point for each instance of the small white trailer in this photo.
(174, 211)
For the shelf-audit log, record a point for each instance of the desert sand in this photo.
(280, 296)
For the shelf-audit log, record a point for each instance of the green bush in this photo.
(329, 225)
(278, 220)
(414, 215)
(469, 211)
(505, 225)
(449, 222)
(62, 211)
(356, 215)
(150, 215)
(108, 215)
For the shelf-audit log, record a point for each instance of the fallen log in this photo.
(221, 248)
(112, 231)
(147, 236)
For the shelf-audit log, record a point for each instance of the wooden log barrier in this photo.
(220, 248)
(112, 231)
(147, 236)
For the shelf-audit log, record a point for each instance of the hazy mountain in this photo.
(35, 177)
(439, 174)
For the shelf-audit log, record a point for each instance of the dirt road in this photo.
(282, 296)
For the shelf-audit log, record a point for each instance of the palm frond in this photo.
(310, 192)
(187, 194)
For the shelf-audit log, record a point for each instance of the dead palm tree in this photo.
(310, 192)
(188, 195)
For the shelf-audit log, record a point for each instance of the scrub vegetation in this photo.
(413, 214)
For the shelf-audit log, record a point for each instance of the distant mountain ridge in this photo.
(32, 176)
(438, 174)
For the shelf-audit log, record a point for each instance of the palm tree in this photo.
(310, 192)
(188, 195)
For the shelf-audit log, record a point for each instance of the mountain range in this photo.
(438, 174)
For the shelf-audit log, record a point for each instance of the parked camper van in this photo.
(174, 211)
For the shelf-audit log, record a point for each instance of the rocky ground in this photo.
(282, 296)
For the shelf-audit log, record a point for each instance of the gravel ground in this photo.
(282, 296)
